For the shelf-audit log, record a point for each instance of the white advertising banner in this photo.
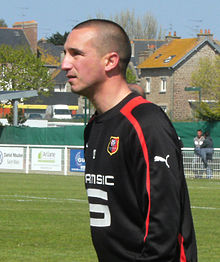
(11, 158)
(46, 159)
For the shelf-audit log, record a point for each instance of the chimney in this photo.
(205, 35)
(30, 30)
(170, 37)
(142, 56)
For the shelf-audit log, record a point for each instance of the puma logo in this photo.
(161, 159)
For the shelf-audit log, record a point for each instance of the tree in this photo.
(20, 69)
(140, 27)
(2, 23)
(58, 39)
(130, 76)
(21, 117)
(207, 77)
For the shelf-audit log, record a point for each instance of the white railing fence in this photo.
(69, 160)
(194, 167)
(42, 159)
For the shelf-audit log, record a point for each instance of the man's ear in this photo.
(111, 61)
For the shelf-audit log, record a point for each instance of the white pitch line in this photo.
(206, 208)
(32, 198)
(204, 187)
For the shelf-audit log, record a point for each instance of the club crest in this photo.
(113, 145)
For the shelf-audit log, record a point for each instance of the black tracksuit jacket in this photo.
(138, 198)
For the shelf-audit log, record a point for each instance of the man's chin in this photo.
(74, 90)
(77, 90)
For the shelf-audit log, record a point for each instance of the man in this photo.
(198, 141)
(206, 153)
(138, 199)
(197, 167)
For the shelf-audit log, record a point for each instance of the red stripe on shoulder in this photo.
(134, 102)
(127, 112)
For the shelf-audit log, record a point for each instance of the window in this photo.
(132, 49)
(147, 86)
(163, 86)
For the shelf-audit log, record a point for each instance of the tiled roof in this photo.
(141, 45)
(50, 53)
(59, 76)
(169, 54)
(13, 37)
(47, 47)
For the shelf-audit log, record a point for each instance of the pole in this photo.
(15, 112)
(85, 112)
(89, 109)
(200, 96)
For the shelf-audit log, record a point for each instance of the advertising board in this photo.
(11, 158)
(77, 161)
(46, 159)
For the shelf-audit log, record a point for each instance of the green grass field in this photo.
(44, 218)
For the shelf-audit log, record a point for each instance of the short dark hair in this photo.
(112, 38)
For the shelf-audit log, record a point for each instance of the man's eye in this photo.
(75, 52)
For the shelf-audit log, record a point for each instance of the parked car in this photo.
(61, 112)
(35, 116)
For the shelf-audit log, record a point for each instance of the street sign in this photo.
(193, 88)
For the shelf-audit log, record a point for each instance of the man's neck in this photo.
(109, 96)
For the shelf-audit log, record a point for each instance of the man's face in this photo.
(199, 134)
(83, 64)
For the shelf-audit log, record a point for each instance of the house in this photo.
(30, 30)
(140, 50)
(13, 37)
(53, 55)
(25, 34)
(167, 72)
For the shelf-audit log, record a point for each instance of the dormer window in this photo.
(168, 59)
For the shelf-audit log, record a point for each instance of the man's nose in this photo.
(66, 65)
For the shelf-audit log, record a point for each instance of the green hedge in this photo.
(73, 135)
(65, 135)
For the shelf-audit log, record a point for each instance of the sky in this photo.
(186, 18)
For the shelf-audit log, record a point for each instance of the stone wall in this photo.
(175, 99)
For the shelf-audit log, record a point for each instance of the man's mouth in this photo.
(71, 77)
